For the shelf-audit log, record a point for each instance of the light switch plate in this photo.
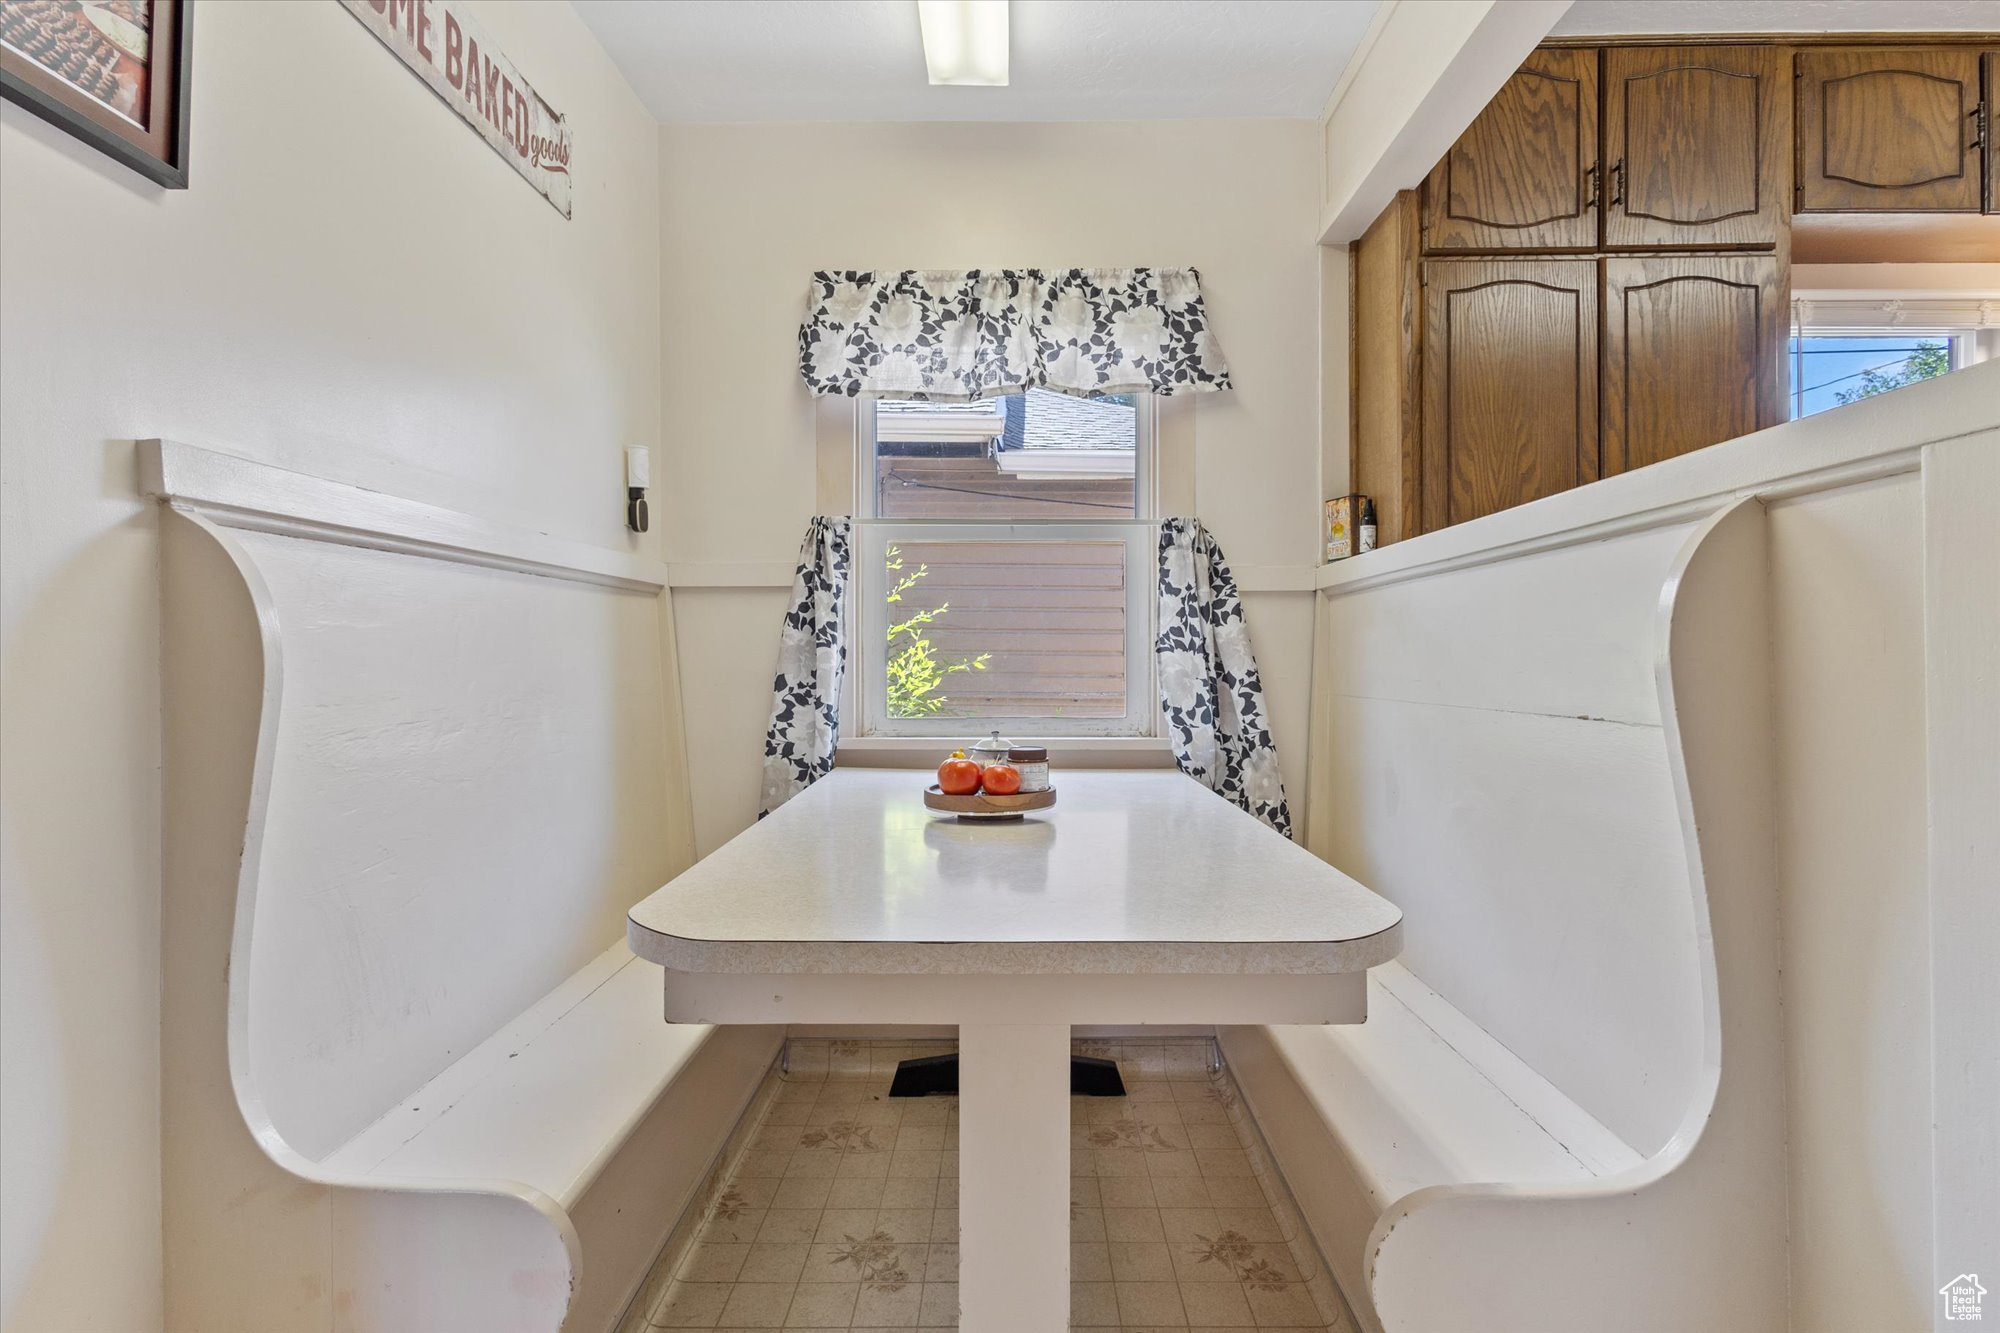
(639, 466)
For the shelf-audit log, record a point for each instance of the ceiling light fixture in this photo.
(965, 41)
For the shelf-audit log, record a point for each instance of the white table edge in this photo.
(1028, 958)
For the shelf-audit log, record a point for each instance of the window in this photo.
(1834, 371)
(1005, 567)
(1844, 350)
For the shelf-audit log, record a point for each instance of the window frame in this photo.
(867, 719)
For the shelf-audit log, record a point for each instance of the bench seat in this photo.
(538, 1100)
(588, 1076)
(417, 766)
(1451, 1186)
(1419, 1095)
(1487, 1115)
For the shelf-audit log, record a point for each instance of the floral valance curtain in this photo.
(961, 335)
(812, 658)
(1210, 694)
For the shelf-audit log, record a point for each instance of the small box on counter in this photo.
(1350, 526)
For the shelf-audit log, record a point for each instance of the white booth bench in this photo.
(418, 768)
(1617, 1161)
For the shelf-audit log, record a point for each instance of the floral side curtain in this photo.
(812, 657)
(1210, 693)
(961, 335)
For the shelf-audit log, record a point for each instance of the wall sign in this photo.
(114, 73)
(451, 53)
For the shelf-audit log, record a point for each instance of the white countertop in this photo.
(1130, 872)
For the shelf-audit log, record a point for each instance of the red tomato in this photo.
(1000, 779)
(960, 777)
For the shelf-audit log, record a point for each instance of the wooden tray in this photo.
(984, 805)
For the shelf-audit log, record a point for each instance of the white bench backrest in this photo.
(1496, 757)
(466, 797)
(468, 773)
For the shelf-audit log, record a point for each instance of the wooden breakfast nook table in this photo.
(1139, 898)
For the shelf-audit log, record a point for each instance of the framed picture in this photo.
(115, 73)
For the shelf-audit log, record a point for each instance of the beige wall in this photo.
(747, 214)
(355, 285)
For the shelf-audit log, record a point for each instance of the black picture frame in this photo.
(159, 151)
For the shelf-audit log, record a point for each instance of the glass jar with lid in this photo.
(1033, 761)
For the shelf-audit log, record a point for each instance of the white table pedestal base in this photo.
(1013, 1168)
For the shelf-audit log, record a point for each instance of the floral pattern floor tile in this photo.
(841, 1212)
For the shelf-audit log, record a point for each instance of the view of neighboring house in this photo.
(1049, 617)
(1043, 454)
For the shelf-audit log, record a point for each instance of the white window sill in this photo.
(1075, 751)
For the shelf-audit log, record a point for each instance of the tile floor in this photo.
(839, 1208)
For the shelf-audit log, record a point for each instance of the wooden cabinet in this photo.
(1693, 350)
(1594, 278)
(1890, 130)
(1695, 146)
(1525, 175)
(1386, 379)
(1510, 383)
(1992, 95)
(1693, 154)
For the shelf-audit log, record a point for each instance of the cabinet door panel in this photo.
(1692, 350)
(1889, 130)
(1510, 383)
(1986, 131)
(1387, 371)
(1522, 176)
(1696, 143)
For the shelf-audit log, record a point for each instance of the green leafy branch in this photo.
(915, 673)
(1926, 361)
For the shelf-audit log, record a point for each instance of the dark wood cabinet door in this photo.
(1524, 176)
(1696, 143)
(1386, 371)
(1889, 130)
(1986, 131)
(1693, 348)
(1510, 383)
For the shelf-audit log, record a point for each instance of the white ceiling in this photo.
(1652, 16)
(832, 60)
